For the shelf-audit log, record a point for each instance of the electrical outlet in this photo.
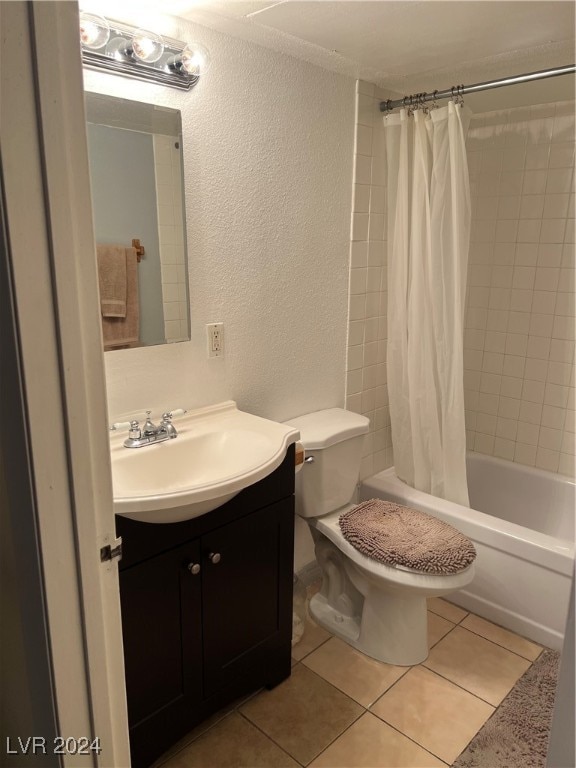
(215, 333)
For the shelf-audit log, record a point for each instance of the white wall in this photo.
(268, 146)
(268, 174)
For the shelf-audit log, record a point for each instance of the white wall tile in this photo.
(536, 370)
(544, 302)
(531, 413)
(504, 449)
(534, 182)
(527, 433)
(550, 438)
(529, 230)
(548, 460)
(508, 407)
(511, 386)
(525, 454)
(363, 139)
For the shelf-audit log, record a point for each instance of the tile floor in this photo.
(340, 709)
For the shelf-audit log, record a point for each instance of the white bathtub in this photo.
(521, 521)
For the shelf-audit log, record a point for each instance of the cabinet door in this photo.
(247, 595)
(161, 625)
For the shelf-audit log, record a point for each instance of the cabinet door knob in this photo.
(194, 568)
(214, 557)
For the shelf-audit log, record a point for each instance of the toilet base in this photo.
(392, 628)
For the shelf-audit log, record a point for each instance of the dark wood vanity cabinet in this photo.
(206, 610)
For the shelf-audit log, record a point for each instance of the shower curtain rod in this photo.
(417, 99)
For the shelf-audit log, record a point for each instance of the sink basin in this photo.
(218, 452)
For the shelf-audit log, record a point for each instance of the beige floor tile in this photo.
(445, 609)
(360, 677)
(437, 628)
(502, 637)
(370, 743)
(476, 664)
(440, 716)
(313, 637)
(232, 743)
(201, 728)
(303, 714)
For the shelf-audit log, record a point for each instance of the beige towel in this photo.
(125, 331)
(112, 280)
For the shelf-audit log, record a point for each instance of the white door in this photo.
(54, 283)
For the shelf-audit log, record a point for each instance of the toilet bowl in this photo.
(377, 608)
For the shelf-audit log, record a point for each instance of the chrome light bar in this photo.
(118, 48)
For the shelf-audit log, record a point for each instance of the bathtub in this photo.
(521, 521)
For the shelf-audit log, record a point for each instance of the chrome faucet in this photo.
(150, 433)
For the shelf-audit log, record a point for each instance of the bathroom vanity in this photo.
(206, 609)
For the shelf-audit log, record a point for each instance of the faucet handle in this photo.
(120, 425)
(176, 412)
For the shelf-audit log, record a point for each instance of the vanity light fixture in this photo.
(120, 49)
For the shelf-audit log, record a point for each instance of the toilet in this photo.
(377, 608)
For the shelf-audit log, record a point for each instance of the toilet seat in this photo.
(397, 535)
(329, 526)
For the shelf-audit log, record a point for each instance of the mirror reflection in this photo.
(135, 154)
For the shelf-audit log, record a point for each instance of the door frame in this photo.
(52, 264)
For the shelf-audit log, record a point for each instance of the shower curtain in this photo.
(428, 239)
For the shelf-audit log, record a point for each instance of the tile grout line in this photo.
(367, 709)
(542, 647)
(334, 739)
(495, 706)
(267, 735)
(504, 648)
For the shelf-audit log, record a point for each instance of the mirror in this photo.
(136, 171)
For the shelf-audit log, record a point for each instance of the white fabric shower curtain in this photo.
(428, 240)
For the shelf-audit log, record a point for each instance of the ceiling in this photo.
(404, 46)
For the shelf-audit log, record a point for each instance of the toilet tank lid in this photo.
(322, 429)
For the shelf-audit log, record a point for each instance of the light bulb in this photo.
(147, 46)
(94, 30)
(194, 60)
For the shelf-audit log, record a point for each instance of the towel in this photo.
(112, 280)
(125, 331)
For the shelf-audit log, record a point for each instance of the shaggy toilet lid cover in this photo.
(400, 536)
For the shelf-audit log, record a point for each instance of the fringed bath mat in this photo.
(516, 736)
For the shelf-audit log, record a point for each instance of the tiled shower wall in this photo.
(169, 196)
(519, 338)
(366, 389)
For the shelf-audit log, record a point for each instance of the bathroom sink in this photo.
(218, 452)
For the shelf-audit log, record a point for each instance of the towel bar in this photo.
(140, 251)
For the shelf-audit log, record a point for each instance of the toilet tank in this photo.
(334, 438)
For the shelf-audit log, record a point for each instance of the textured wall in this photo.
(519, 339)
(268, 174)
